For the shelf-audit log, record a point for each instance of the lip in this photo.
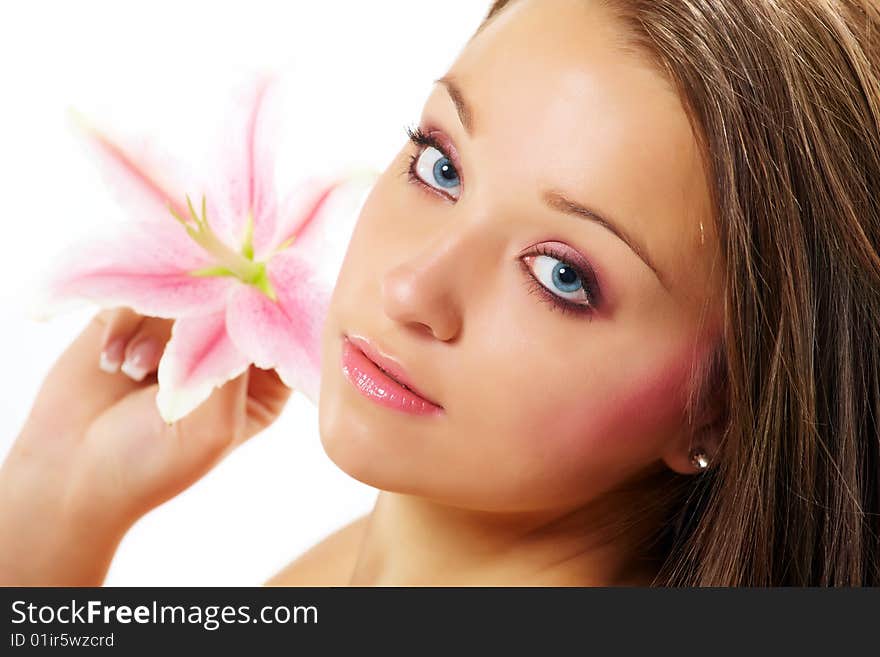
(383, 379)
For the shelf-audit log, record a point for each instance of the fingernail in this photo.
(140, 359)
(111, 356)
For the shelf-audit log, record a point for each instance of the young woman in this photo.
(628, 271)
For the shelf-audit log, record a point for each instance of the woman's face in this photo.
(540, 275)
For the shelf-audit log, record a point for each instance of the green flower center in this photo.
(228, 262)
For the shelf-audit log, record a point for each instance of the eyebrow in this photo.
(552, 198)
(560, 202)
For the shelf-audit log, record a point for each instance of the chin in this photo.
(370, 447)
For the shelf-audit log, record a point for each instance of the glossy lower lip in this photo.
(374, 384)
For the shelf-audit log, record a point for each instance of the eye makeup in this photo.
(430, 139)
(571, 264)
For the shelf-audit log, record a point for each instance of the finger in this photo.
(56, 411)
(266, 397)
(145, 347)
(119, 325)
(149, 460)
(219, 422)
(155, 460)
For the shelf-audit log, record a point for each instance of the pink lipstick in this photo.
(383, 380)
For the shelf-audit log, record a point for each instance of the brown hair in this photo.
(784, 96)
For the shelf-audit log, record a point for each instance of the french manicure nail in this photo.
(111, 356)
(139, 359)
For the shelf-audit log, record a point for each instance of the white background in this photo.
(367, 68)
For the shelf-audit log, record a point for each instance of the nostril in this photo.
(424, 328)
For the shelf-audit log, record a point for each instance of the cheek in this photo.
(539, 442)
(647, 401)
(614, 421)
(367, 248)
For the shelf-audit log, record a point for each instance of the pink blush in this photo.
(628, 418)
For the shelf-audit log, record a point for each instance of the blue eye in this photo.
(437, 170)
(561, 279)
(431, 166)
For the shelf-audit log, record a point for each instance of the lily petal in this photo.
(243, 187)
(143, 269)
(286, 334)
(283, 334)
(144, 178)
(198, 358)
(319, 223)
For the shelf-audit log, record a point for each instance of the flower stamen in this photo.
(228, 262)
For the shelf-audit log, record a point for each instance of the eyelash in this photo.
(556, 302)
(418, 137)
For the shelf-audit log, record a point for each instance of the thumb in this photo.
(143, 461)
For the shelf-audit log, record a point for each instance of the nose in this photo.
(420, 293)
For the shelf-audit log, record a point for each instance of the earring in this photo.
(699, 459)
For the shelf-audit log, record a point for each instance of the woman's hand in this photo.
(94, 454)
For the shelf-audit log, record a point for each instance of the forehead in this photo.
(555, 91)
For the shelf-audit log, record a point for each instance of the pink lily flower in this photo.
(245, 271)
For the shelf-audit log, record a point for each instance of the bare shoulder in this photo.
(328, 563)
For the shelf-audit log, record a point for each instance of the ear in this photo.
(706, 436)
(704, 432)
